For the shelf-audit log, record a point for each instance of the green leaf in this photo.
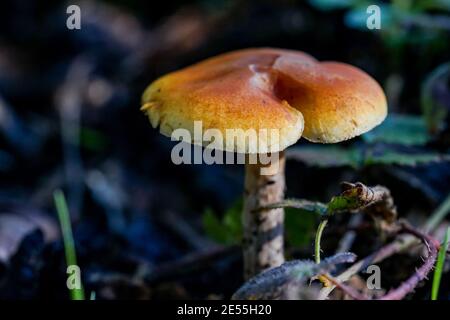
(391, 157)
(344, 202)
(355, 157)
(232, 221)
(439, 267)
(227, 230)
(214, 227)
(299, 227)
(355, 196)
(400, 129)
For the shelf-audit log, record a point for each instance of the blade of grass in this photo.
(69, 244)
(439, 267)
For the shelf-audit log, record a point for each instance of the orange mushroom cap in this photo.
(267, 89)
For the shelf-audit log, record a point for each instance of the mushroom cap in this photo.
(266, 88)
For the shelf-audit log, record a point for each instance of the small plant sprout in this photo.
(256, 91)
(69, 244)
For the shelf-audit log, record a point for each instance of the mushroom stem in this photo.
(263, 229)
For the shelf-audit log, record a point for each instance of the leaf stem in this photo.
(319, 232)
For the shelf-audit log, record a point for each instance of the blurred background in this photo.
(145, 228)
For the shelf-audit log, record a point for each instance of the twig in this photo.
(348, 290)
(402, 243)
(407, 286)
(421, 273)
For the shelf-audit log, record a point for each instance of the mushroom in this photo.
(265, 89)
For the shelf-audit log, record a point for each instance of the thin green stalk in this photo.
(319, 232)
(439, 267)
(69, 244)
